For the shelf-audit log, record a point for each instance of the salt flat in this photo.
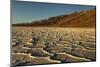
(49, 45)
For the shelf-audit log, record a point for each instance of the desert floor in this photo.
(45, 45)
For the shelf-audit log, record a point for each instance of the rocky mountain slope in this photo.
(85, 18)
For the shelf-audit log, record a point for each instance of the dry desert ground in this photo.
(51, 45)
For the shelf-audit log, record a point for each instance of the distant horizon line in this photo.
(54, 16)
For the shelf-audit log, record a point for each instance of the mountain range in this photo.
(86, 18)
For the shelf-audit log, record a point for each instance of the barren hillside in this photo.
(85, 18)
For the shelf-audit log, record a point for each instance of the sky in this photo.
(26, 12)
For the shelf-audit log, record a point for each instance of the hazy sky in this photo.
(31, 11)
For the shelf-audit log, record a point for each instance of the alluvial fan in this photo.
(49, 45)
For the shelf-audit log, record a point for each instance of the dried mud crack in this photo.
(34, 45)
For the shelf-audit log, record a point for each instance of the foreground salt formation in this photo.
(43, 45)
